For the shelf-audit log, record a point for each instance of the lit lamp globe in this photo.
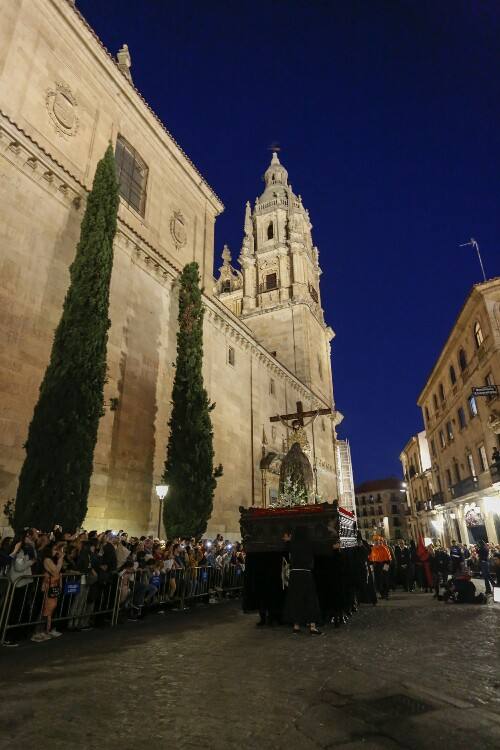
(161, 491)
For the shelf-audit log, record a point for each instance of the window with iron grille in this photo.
(132, 173)
(271, 281)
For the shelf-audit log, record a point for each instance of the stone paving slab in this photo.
(210, 678)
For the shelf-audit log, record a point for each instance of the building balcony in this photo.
(464, 487)
(436, 499)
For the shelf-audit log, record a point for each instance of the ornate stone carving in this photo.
(494, 421)
(62, 108)
(229, 278)
(178, 229)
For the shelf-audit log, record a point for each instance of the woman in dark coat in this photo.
(302, 606)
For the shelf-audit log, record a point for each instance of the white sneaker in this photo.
(54, 634)
(40, 637)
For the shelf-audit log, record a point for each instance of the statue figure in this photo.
(299, 436)
(296, 478)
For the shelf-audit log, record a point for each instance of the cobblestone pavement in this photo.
(409, 673)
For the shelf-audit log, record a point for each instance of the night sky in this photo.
(388, 117)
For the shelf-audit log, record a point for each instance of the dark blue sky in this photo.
(388, 115)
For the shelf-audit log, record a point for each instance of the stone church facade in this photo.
(63, 98)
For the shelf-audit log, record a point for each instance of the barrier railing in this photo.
(22, 606)
(123, 596)
(232, 578)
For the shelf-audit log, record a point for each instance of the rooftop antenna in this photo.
(472, 243)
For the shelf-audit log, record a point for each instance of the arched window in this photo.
(453, 376)
(226, 286)
(270, 231)
(462, 359)
(478, 334)
(427, 415)
(441, 392)
(435, 402)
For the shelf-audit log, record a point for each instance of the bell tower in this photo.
(280, 300)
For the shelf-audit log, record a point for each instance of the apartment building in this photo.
(382, 509)
(463, 426)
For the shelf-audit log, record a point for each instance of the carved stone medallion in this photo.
(62, 106)
(178, 229)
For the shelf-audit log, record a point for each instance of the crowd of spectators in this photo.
(37, 563)
(446, 572)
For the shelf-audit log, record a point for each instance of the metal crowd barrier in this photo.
(22, 605)
(232, 578)
(123, 596)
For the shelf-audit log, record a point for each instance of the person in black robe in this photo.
(365, 584)
(302, 606)
(263, 586)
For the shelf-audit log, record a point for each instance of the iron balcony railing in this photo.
(464, 487)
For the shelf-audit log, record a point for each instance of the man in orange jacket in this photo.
(381, 559)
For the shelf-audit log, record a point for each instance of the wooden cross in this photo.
(299, 415)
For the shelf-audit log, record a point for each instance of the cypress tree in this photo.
(189, 470)
(55, 477)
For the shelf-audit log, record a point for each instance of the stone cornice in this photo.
(32, 159)
(313, 307)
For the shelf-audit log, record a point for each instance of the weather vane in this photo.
(274, 147)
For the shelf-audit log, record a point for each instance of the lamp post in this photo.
(161, 491)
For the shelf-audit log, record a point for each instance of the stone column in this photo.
(284, 272)
(249, 283)
(299, 281)
(489, 520)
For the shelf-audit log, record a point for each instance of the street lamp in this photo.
(161, 491)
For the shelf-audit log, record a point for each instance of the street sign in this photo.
(485, 390)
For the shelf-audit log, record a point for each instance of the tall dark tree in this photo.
(189, 469)
(55, 477)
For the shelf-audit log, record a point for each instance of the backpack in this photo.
(20, 568)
